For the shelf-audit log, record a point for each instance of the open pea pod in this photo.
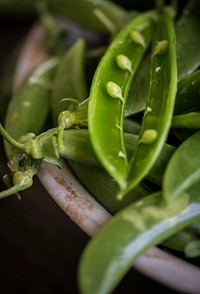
(133, 230)
(109, 91)
(159, 109)
(183, 169)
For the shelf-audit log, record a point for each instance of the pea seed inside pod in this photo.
(137, 38)
(160, 48)
(148, 136)
(124, 62)
(114, 90)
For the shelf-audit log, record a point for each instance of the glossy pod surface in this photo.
(160, 105)
(134, 229)
(109, 91)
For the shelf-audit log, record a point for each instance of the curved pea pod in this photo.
(27, 112)
(183, 169)
(159, 109)
(69, 80)
(29, 106)
(131, 232)
(188, 41)
(81, 150)
(188, 87)
(109, 91)
(190, 120)
(103, 16)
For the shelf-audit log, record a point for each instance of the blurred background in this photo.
(39, 245)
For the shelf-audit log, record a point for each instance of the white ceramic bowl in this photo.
(84, 210)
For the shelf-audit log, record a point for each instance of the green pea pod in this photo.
(183, 169)
(104, 16)
(69, 80)
(29, 106)
(188, 87)
(132, 231)
(159, 109)
(109, 91)
(190, 120)
(27, 112)
(188, 41)
(80, 150)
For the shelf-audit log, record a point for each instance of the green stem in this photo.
(10, 140)
(10, 191)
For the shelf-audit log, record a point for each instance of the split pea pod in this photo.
(160, 105)
(132, 231)
(109, 90)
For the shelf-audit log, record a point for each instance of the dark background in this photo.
(39, 245)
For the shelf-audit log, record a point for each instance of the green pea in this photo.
(160, 48)
(124, 62)
(114, 90)
(148, 136)
(137, 38)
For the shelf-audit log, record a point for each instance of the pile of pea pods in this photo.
(125, 116)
